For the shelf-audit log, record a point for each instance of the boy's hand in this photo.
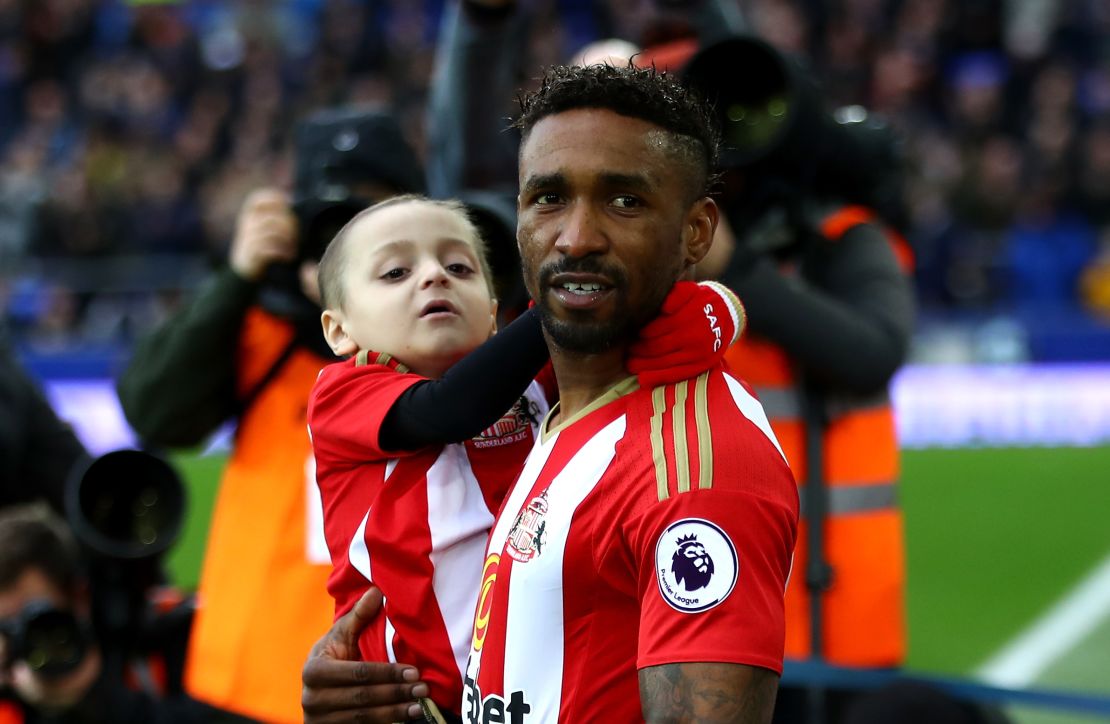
(338, 687)
(694, 328)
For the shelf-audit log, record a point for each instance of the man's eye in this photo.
(545, 199)
(398, 273)
(627, 202)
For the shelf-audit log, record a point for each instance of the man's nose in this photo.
(582, 234)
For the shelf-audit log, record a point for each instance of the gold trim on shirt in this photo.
(680, 443)
(678, 429)
(618, 390)
(705, 436)
(658, 456)
(380, 358)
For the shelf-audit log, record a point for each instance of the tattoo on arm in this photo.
(703, 693)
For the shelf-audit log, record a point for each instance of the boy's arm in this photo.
(695, 326)
(470, 396)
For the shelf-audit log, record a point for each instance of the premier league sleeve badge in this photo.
(696, 565)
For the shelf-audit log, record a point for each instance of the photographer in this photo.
(55, 665)
(248, 347)
(813, 203)
(37, 449)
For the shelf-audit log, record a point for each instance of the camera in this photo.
(126, 509)
(778, 141)
(52, 641)
(126, 505)
(345, 159)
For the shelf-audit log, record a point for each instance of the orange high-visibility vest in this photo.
(261, 602)
(863, 613)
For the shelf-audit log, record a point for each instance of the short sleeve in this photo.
(712, 567)
(346, 409)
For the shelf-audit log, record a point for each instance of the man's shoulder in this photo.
(714, 398)
(706, 432)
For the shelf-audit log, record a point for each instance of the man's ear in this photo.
(697, 232)
(331, 321)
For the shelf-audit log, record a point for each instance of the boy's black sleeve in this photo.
(472, 395)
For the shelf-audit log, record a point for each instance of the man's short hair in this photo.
(32, 537)
(330, 274)
(643, 93)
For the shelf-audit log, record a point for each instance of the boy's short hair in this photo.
(330, 273)
(643, 93)
(32, 537)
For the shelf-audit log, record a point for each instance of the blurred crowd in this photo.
(131, 132)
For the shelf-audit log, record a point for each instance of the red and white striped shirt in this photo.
(413, 523)
(656, 527)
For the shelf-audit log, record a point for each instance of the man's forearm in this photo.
(469, 146)
(180, 382)
(852, 329)
(704, 693)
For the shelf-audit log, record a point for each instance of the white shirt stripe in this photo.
(390, 634)
(534, 628)
(457, 521)
(357, 552)
(752, 410)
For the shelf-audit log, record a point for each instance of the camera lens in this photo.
(127, 505)
(755, 94)
(751, 126)
(51, 641)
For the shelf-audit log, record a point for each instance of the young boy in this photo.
(407, 504)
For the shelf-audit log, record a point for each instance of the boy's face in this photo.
(413, 288)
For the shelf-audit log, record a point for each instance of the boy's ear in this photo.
(493, 315)
(336, 336)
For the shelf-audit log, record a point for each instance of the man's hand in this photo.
(265, 232)
(694, 328)
(339, 688)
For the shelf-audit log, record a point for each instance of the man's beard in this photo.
(581, 332)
